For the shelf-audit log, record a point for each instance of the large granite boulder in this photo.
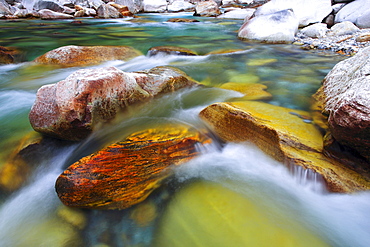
(357, 12)
(287, 135)
(107, 11)
(125, 173)
(180, 5)
(134, 6)
(4, 8)
(278, 27)
(70, 109)
(154, 5)
(47, 14)
(345, 100)
(48, 4)
(72, 55)
(207, 8)
(307, 12)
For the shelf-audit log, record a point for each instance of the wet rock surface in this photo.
(125, 173)
(287, 135)
(70, 109)
(72, 55)
(344, 98)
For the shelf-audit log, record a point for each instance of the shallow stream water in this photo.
(285, 209)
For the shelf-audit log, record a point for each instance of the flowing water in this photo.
(295, 204)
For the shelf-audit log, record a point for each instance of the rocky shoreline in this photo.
(279, 25)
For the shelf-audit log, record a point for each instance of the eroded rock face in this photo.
(71, 108)
(345, 99)
(125, 173)
(72, 55)
(285, 134)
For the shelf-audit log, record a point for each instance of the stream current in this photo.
(237, 177)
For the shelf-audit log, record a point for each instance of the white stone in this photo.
(307, 12)
(180, 5)
(317, 30)
(356, 11)
(134, 6)
(238, 14)
(363, 21)
(155, 6)
(343, 28)
(279, 27)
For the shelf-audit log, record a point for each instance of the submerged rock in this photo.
(251, 91)
(285, 134)
(70, 109)
(170, 50)
(72, 55)
(125, 173)
(17, 168)
(7, 54)
(229, 218)
(278, 27)
(181, 20)
(345, 99)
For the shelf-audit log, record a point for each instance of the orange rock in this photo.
(72, 55)
(125, 173)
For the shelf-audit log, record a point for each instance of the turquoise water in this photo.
(33, 215)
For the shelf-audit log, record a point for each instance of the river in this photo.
(232, 195)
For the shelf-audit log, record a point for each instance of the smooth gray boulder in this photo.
(278, 27)
(307, 12)
(357, 12)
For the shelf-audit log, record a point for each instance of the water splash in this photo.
(340, 219)
(32, 204)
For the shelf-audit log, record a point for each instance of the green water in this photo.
(33, 215)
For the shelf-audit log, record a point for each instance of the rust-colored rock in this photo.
(70, 109)
(122, 9)
(7, 55)
(182, 20)
(171, 50)
(125, 173)
(286, 134)
(72, 55)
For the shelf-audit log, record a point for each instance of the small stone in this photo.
(363, 37)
